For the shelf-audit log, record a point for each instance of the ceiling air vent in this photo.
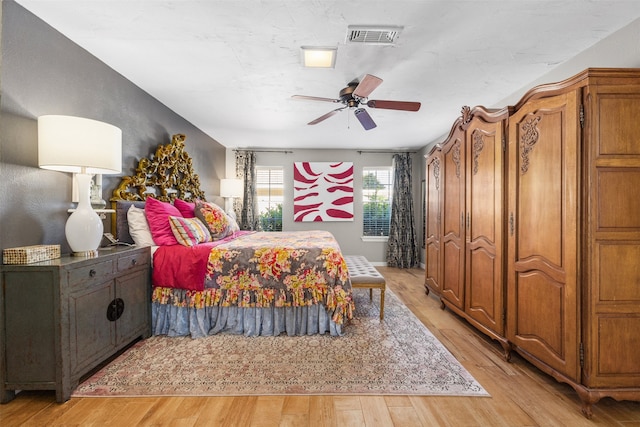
(373, 35)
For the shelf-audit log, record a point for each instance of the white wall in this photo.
(619, 50)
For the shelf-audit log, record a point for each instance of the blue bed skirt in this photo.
(171, 320)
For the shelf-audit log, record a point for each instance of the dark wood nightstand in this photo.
(61, 318)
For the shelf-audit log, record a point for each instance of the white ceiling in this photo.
(230, 67)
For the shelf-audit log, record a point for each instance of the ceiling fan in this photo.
(356, 94)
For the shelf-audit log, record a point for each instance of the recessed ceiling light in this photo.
(318, 57)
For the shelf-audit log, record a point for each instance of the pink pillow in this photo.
(214, 218)
(185, 208)
(158, 214)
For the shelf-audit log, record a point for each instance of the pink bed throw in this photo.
(185, 267)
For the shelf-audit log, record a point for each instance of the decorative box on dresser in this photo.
(61, 318)
(570, 219)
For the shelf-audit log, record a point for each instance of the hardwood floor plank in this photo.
(22, 409)
(430, 412)
(398, 401)
(296, 405)
(267, 411)
(294, 420)
(216, 411)
(351, 418)
(322, 411)
(175, 409)
(375, 411)
(405, 417)
(241, 410)
(347, 403)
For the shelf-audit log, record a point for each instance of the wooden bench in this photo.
(364, 275)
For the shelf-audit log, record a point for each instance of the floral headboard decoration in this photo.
(166, 175)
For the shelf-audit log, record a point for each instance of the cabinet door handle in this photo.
(115, 309)
(511, 223)
(92, 273)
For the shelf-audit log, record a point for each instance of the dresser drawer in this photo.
(133, 260)
(94, 273)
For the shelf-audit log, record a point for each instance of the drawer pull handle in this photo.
(92, 273)
(134, 261)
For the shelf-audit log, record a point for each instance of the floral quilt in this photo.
(273, 269)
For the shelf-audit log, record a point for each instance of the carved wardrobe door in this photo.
(542, 278)
(484, 300)
(432, 224)
(453, 218)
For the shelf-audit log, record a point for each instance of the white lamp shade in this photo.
(75, 144)
(231, 187)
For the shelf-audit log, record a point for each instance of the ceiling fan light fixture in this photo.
(364, 118)
(318, 57)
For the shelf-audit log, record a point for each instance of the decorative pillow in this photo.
(214, 218)
(158, 214)
(139, 227)
(233, 225)
(189, 231)
(185, 208)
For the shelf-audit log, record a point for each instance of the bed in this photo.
(233, 281)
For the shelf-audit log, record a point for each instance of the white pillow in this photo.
(139, 227)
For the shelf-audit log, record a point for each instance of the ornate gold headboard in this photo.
(167, 175)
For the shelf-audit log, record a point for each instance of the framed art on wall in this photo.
(322, 191)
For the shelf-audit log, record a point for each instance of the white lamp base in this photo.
(84, 227)
(228, 207)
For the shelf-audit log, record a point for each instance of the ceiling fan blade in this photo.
(365, 119)
(326, 116)
(366, 86)
(394, 105)
(314, 98)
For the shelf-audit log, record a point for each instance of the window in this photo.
(270, 189)
(376, 201)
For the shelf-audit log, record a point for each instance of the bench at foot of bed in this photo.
(364, 275)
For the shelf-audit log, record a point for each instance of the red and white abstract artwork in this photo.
(322, 191)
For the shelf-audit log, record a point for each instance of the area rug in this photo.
(398, 356)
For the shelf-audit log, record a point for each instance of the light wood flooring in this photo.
(521, 395)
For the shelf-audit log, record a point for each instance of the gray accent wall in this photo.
(43, 72)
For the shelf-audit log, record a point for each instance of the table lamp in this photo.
(83, 147)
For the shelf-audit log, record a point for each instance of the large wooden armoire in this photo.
(570, 218)
(464, 229)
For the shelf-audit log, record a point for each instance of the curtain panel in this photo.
(247, 212)
(402, 246)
